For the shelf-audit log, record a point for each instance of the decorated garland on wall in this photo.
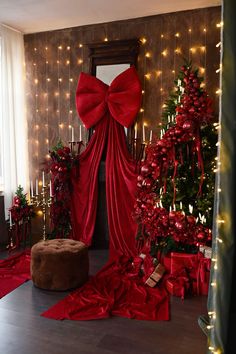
(171, 229)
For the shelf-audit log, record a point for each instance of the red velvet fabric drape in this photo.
(14, 271)
(115, 289)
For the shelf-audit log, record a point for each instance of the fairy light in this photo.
(80, 45)
(164, 52)
(68, 47)
(178, 51)
(202, 70)
(218, 44)
(80, 61)
(105, 39)
(148, 55)
(220, 24)
(143, 40)
(218, 92)
(192, 50)
(177, 35)
(148, 76)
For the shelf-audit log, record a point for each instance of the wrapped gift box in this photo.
(203, 276)
(189, 263)
(178, 284)
(156, 275)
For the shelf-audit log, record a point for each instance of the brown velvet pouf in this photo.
(59, 264)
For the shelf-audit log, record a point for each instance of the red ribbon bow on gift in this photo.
(122, 98)
(180, 282)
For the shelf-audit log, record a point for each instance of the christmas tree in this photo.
(176, 184)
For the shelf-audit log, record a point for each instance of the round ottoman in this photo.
(59, 264)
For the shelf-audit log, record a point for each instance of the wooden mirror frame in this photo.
(111, 53)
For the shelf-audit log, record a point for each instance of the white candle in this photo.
(174, 207)
(181, 205)
(190, 208)
(72, 135)
(136, 131)
(10, 218)
(80, 133)
(31, 189)
(144, 138)
(179, 82)
(168, 119)
(43, 179)
(179, 99)
(161, 206)
(170, 208)
(36, 187)
(150, 137)
(50, 188)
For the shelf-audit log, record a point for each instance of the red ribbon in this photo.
(122, 98)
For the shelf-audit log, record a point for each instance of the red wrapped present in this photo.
(165, 260)
(189, 263)
(178, 284)
(203, 277)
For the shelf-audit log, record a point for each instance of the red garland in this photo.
(193, 111)
(61, 164)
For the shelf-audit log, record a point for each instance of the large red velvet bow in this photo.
(122, 98)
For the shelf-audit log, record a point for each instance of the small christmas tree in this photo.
(177, 177)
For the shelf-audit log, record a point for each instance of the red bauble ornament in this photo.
(16, 201)
(145, 170)
(200, 236)
(179, 225)
(191, 219)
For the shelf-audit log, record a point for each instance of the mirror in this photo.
(109, 59)
(107, 73)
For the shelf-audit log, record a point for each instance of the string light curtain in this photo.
(221, 302)
(13, 122)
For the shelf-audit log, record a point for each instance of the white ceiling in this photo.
(31, 16)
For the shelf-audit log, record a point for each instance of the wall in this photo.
(55, 59)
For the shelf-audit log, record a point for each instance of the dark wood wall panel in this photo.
(51, 103)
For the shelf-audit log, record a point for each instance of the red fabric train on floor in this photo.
(115, 290)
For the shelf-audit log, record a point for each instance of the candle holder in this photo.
(42, 200)
(73, 144)
(133, 148)
(141, 156)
